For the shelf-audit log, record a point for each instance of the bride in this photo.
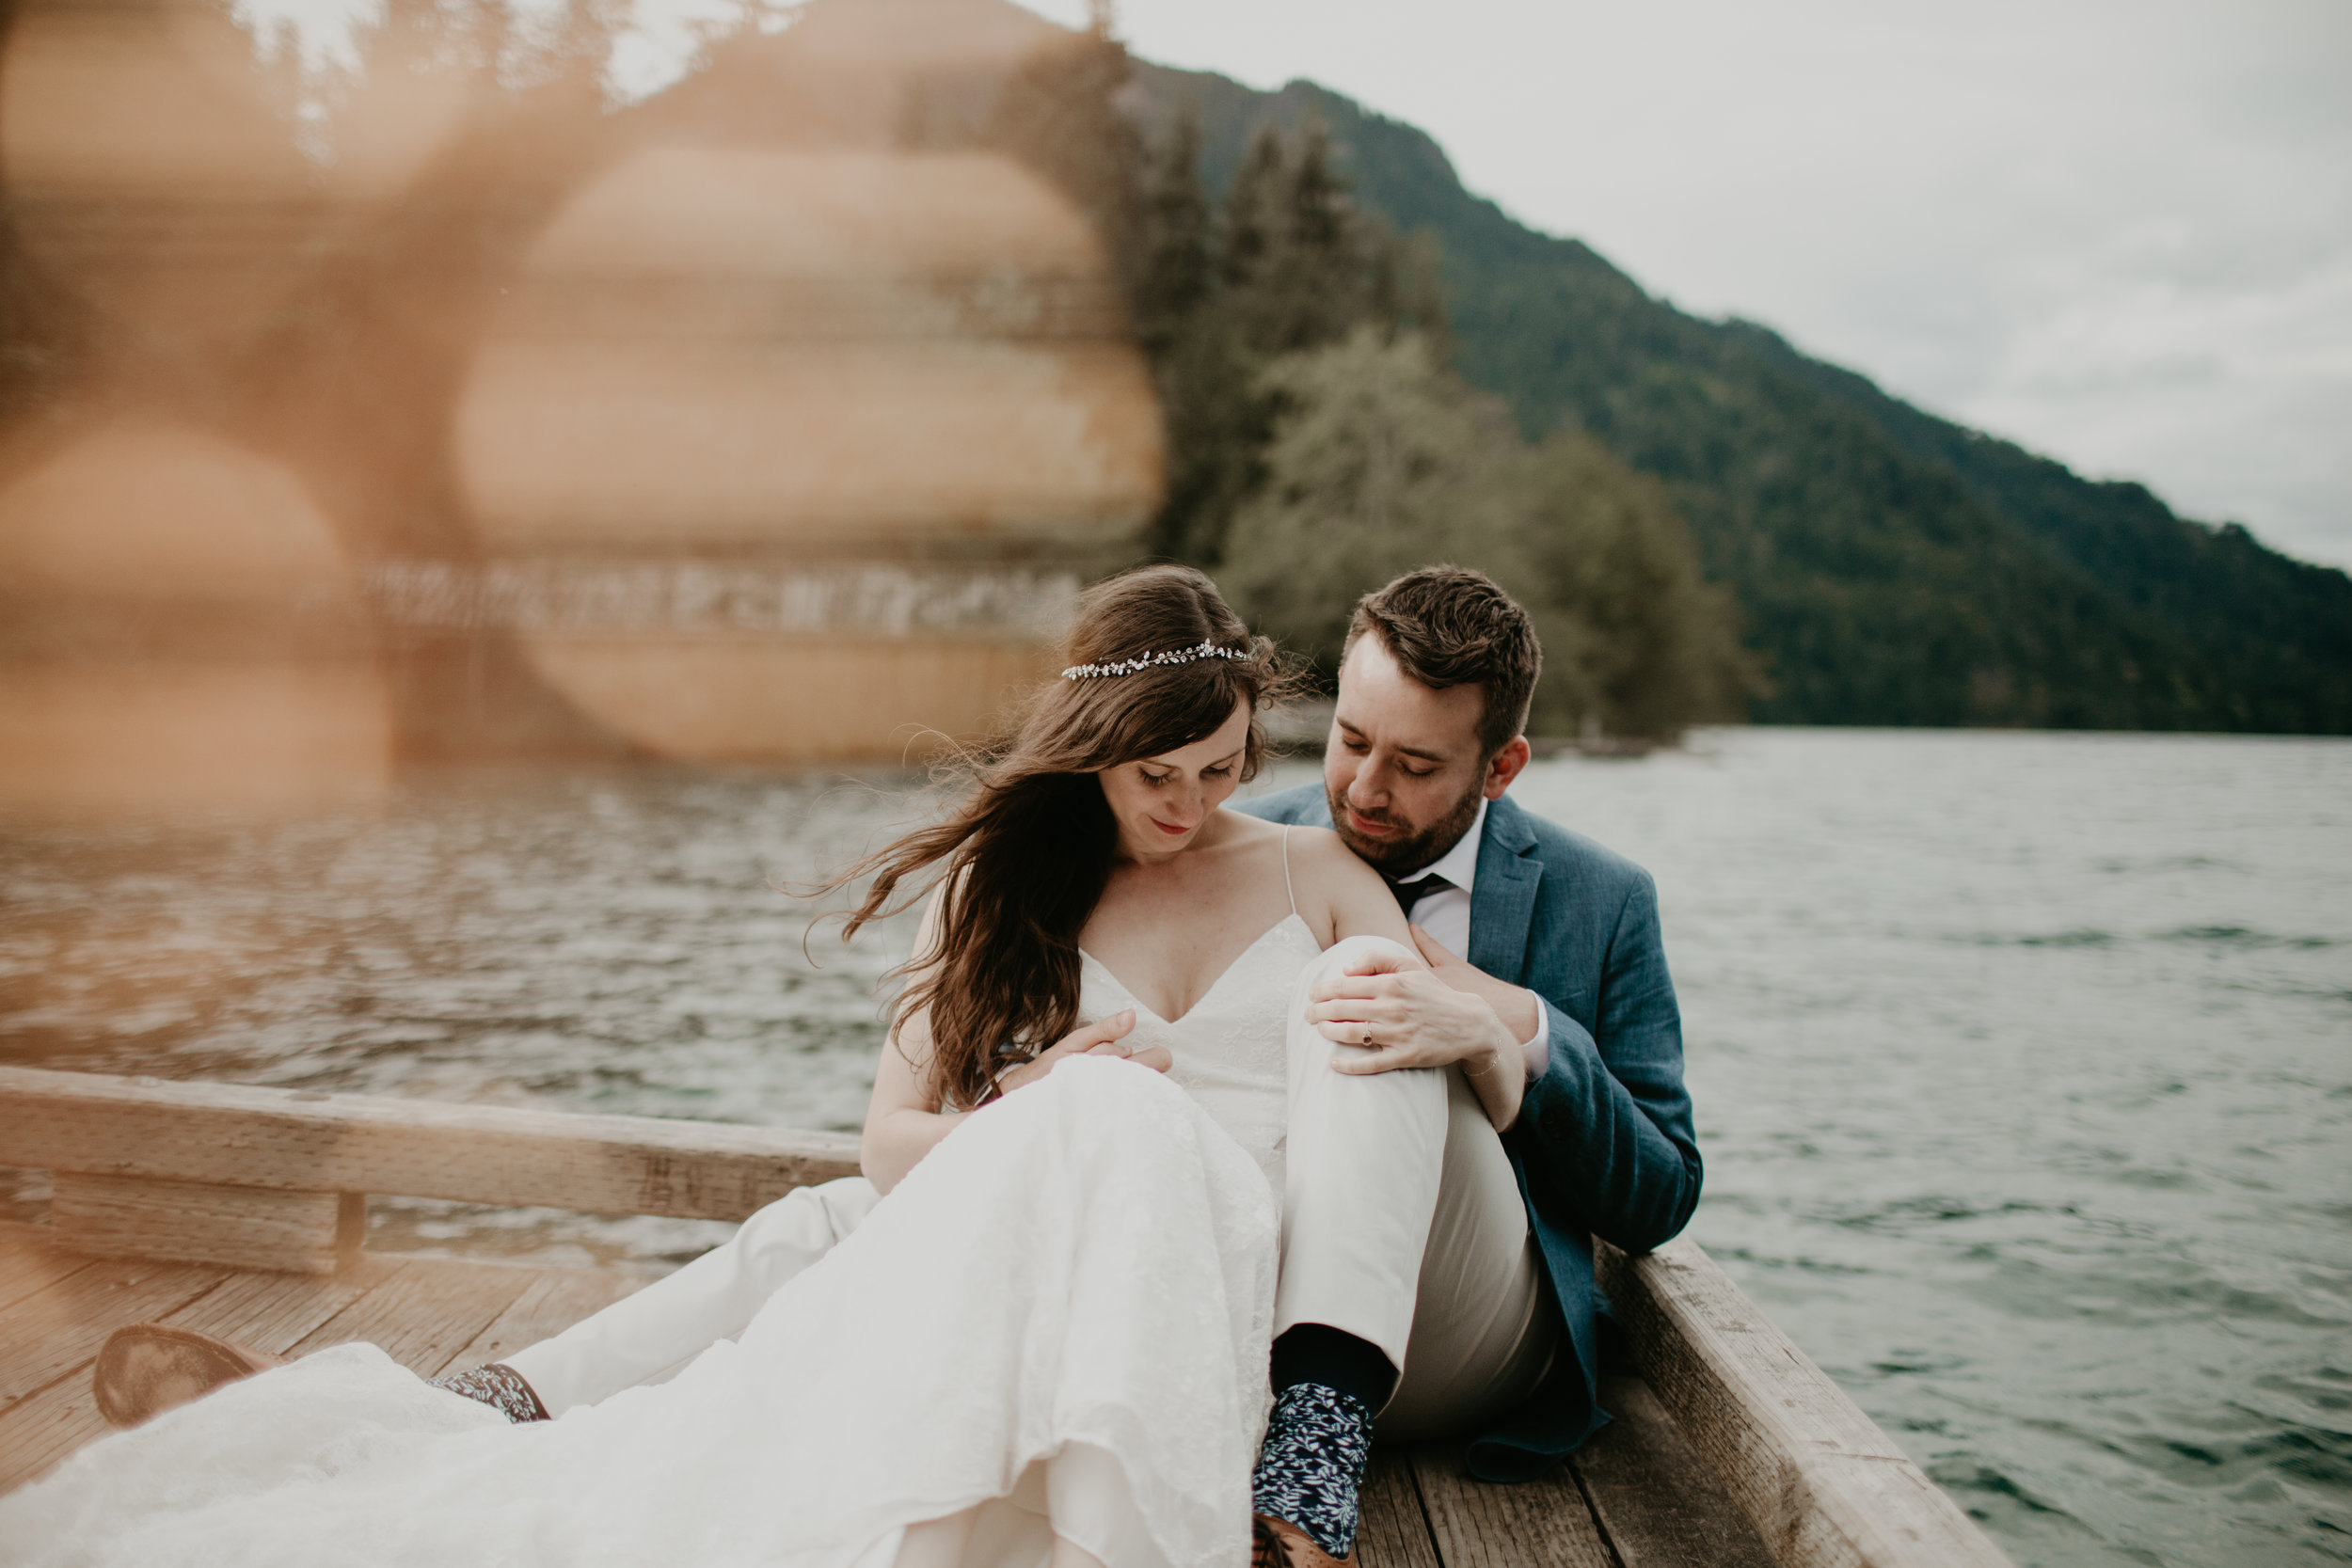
(1049, 1341)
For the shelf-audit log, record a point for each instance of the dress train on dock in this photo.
(1063, 1311)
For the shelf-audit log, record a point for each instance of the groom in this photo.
(1489, 1325)
(1560, 937)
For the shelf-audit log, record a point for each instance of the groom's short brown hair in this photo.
(1448, 626)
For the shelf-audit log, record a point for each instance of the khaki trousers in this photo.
(1402, 1224)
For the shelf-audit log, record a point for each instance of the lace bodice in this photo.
(1228, 1049)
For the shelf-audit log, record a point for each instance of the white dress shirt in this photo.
(1445, 914)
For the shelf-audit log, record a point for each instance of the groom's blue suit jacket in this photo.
(1603, 1144)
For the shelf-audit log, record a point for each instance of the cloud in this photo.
(2238, 394)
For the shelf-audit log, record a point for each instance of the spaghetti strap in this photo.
(1288, 890)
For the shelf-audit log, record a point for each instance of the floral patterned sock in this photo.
(1312, 1464)
(497, 1386)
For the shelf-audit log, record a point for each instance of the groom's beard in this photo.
(1409, 851)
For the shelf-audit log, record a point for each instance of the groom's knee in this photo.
(1306, 1036)
(1396, 1115)
(1313, 1051)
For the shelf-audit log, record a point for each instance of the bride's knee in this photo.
(1110, 1124)
(1105, 1091)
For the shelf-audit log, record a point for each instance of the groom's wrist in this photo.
(1521, 1012)
(1527, 1018)
(1499, 1075)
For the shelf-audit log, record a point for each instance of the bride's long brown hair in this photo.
(1027, 853)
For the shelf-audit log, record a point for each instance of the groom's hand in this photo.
(1105, 1039)
(1515, 1004)
(1399, 1014)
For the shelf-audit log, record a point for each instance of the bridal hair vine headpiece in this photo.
(1145, 661)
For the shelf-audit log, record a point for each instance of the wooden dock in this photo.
(57, 1306)
(239, 1211)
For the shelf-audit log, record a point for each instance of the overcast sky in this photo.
(2118, 232)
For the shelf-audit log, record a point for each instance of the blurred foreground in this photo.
(457, 414)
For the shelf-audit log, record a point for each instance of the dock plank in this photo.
(428, 1311)
(56, 1330)
(1659, 1503)
(557, 1299)
(30, 1260)
(428, 1314)
(50, 1331)
(1394, 1533)
(1824, 1485)
(275, 1312)
(1543, 1523)
(268, 1311)
(39, 1431)
(241, 1134)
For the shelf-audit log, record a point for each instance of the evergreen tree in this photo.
(1381, 461)
(1299, 265)
(1058, 114)
(1290, 265)
(1250, 216)
(1173, 278)
(1656, 647)
(1409, 287)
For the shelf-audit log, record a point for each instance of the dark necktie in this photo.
(1410, 893)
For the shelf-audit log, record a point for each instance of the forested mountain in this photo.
(1893, 567)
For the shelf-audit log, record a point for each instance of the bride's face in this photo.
(1160, 802)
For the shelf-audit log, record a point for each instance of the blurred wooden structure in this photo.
(234, 1210)
(447, 410)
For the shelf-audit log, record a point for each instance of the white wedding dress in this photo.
(1064, 1310)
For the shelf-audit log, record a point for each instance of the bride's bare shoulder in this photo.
(1339, 894)
(1321, 859)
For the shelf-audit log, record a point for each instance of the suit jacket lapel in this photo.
(1502, 901)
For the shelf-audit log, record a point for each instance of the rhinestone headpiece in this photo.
(1145, 661)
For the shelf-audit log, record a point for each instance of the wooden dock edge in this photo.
(1825, 1486)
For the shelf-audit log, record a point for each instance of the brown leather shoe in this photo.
(1278, 1543)
(145, 1370)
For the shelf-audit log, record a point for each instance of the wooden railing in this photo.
(260, 1178)
(1826, 1487)
(277, 1178)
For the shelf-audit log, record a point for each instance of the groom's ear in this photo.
(1506, 764)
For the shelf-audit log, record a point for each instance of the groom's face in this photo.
(1405, 771)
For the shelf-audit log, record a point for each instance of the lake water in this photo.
(2023, 1062)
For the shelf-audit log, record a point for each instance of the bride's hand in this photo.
(1105, 1039)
